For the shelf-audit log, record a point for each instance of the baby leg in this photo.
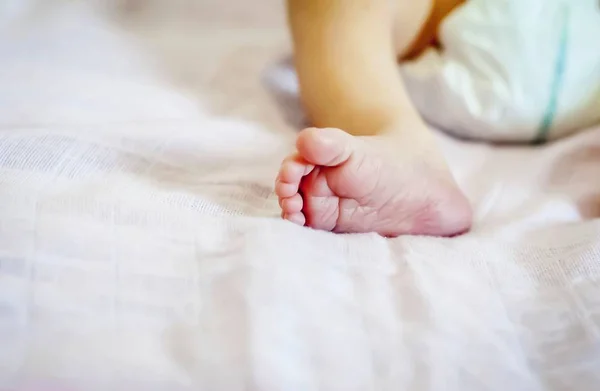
(375, 168)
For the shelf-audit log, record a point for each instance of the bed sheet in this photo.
(140, 245)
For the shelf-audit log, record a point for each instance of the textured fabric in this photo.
(140, 246)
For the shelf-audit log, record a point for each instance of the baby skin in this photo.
(370, 163)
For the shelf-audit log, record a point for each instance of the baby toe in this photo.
(285, 190)
(296, 218)
(293, 168)
(292, 204)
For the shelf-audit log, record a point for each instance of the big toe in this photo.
(325, 147)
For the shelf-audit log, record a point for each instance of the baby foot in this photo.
(350, 184)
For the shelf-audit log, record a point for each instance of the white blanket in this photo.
(140, 247)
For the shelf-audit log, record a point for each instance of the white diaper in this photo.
(512, 70)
